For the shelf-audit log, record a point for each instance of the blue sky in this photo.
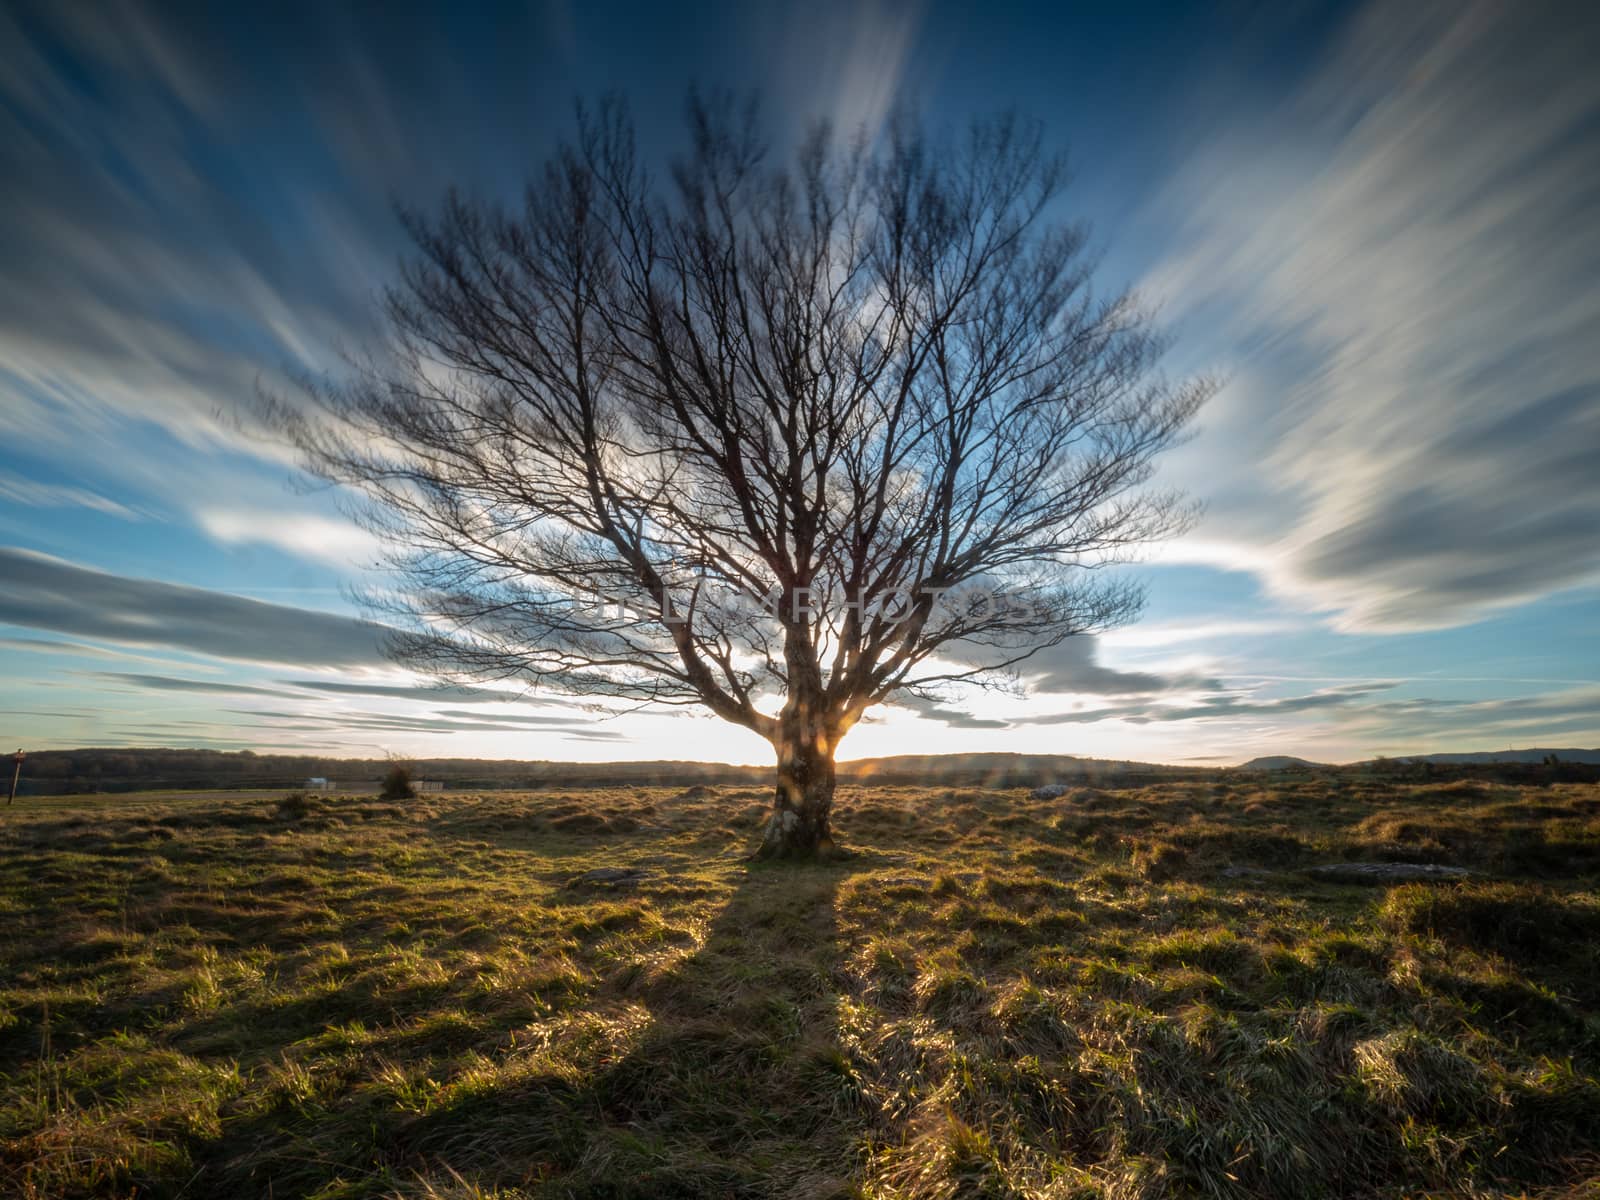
(1377, 223)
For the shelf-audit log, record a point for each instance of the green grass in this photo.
(1118, 994)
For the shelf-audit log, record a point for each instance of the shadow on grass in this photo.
(717, 1075)
(734, 1085)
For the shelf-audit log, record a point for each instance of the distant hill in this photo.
(55, 772)
(1504, 756)
(1283, 762)
(1279, 762)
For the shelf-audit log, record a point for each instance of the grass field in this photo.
(1115, 993)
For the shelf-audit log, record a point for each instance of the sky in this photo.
(1374, 223)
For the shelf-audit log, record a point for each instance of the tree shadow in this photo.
(730, 1079)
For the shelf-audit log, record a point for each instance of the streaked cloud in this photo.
(1487, 722)
(83, 650)
(424, 723)
(1073, 667)
(139, 288)
(38, 591)
(34, 494)
(167, 683)
(948, 715)
(844, 62)
(1221, 705)
(457, 692)
(1409, 252)
(316, 719)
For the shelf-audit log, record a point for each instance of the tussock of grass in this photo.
(1129, 993)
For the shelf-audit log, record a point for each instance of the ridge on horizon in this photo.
(147, 770)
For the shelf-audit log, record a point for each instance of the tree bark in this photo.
(803, 798)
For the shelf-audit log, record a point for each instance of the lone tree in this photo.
(781, 441)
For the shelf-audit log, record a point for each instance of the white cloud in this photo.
(1172, 633)
(330, 540)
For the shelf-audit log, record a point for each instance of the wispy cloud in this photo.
(317, 717)
(843, 62)
(1413, 243)
(456, 692)
(34, 494)
(949, 715)
(533, 721)
(1223, 705)
(425, 723)
(84, 650)
(167, 683)
(1408, 723)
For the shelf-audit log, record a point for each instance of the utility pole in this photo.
(16, 772)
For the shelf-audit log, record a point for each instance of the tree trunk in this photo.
(804, 795)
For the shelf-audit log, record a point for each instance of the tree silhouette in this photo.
(778, 441)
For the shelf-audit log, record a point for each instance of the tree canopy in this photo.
(781, 436)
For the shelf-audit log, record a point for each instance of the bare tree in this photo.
(781, 442)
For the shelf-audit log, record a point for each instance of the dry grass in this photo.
(1117, 993)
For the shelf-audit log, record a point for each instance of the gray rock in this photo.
(1387, 872)
(1050, 791)
(608, 877)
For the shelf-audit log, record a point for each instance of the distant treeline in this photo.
(58, 772)
(1553, 770)
(55, 772)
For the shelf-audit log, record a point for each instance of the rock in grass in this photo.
(608, 877)
(1050, 791)
(1388, 872)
